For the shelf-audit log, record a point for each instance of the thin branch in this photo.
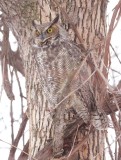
(5, 48)
(19, 135)
(11, 158)
(116, 150)
(117, 130)
(15, 61)
(115, 53)
(73, 143)
(11, 111)
(110, 31)
(21, 97)
(115, 71)
(109, 148)
(24, 156)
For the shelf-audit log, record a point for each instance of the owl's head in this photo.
(47, 32)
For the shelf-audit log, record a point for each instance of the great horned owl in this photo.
(59, 60)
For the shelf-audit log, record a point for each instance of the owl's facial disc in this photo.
(48, 34)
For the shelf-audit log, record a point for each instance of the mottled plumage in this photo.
(58, 60)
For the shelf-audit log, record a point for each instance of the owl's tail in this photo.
(99, 120)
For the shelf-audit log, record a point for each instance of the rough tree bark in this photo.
(88, 20)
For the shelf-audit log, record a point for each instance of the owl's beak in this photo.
(42, 37)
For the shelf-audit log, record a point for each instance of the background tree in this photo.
(88, 30)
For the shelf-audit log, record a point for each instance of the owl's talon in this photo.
(59, 154)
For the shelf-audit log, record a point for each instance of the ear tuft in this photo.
(35, 22)
(55, 20)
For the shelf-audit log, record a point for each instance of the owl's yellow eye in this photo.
(49, 30)
(37, 33)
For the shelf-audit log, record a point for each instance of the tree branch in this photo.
(15, 61)
(110, 105)
(24, 156)
(5, 53)
(20, 133)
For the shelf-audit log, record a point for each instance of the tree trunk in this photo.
(89, 20)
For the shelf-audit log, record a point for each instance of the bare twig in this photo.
(111, 28)
(117, 130)
(115, 53)
(20, 133)
(24, 156)
(73, 142)
(5, 50)
(11, 111)
(18, 149)
(21, 97)
(109, 148)
(115, 71)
